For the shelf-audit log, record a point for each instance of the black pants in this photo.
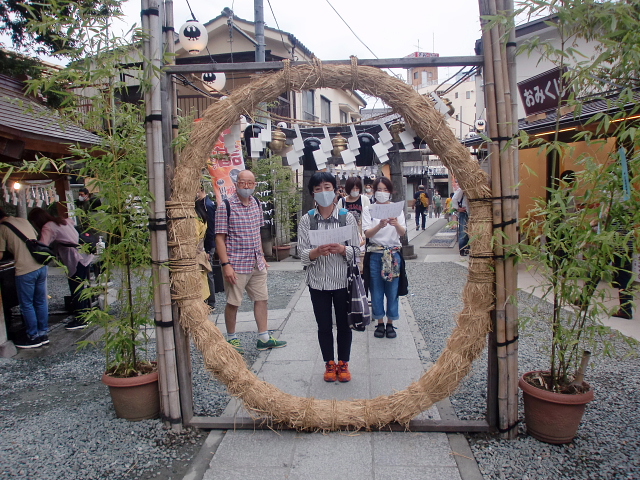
(321, 300)
(79, 306)
(421, 212)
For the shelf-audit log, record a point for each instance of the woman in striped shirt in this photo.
(326, 267)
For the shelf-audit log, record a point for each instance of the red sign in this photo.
(543, 92)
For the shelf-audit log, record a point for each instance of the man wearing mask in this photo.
(239, 246)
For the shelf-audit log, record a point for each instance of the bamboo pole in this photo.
(509, 216)
(513, 234)
(496, 190)
(170, 118)
(159, 235)
(148, 73)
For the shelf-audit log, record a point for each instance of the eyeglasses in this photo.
(242, 183)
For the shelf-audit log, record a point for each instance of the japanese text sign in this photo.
(542, 92)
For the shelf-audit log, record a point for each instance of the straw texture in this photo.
(473, 323)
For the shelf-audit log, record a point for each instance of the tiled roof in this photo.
(25, 117)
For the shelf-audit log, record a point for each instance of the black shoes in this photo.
(381, 331)
(75, 324)
(391, 331)
(44, 339)
(620, 314)
(29, 342)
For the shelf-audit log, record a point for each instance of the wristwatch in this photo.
(225, 264)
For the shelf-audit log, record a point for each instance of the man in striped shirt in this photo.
(243, 267)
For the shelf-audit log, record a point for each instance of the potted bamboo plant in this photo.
(97, 86)
(575, 239)
(578, 236)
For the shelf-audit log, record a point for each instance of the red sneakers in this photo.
(344, 375)
(330, 372)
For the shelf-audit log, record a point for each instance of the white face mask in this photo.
(382, 197)
(245, 192)
(354, 193)
(324, 199)
(368, 190)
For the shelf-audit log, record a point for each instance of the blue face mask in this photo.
(324, 199)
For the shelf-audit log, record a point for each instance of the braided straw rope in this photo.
(467, 341)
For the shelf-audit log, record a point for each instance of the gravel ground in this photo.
(57, 420)
(608, 441)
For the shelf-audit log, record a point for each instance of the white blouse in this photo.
(387, 236)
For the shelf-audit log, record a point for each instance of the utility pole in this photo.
(258, 14)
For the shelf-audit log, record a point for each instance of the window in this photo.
(468, 94)
(416, 75)
(308, 105)
(325, 110)
(430, 75)
(456, 95)
(344, 117)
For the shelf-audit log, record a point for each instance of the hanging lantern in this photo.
(193, 37)
(339, 144)
(214, 82)
(278, 140)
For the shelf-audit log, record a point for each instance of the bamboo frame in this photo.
(505, 319)
(153, 44)
(502, 123)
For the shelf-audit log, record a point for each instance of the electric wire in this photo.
(277, 25)
(354, 33)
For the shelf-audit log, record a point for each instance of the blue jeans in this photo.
(463, 236)
(34, 304)
(380, 288)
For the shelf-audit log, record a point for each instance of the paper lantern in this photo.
(193, 37)
(214, 82)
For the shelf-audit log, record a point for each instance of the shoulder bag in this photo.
(358, 311)
(40, 252)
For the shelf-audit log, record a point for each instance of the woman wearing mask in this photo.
(63, 235)
(326, 273)
(354, 201)
(368, 192)
(383, 264)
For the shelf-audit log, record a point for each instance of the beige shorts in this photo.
(255, 283)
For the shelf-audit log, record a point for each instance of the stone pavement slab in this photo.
(379, 367)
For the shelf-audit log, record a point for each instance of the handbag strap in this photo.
(15, 230)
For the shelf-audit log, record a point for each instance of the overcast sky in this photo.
(389, 29)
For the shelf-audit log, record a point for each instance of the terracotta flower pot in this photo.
(552, 417)
(135, 398)
(281, 252)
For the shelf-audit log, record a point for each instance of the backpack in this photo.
(313, 221)
(228, 205)
(424, 199)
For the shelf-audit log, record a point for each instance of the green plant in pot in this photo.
(581, 233)
(576, 239)
(278, 191)
(116, 169)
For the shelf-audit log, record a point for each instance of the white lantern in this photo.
(193, 37)
(213, 82)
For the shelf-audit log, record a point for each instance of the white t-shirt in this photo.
(387, 236)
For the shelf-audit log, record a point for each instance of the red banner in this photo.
(224, 167)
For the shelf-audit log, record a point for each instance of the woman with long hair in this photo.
(62, 235)
(326, 270)
(383, 264)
